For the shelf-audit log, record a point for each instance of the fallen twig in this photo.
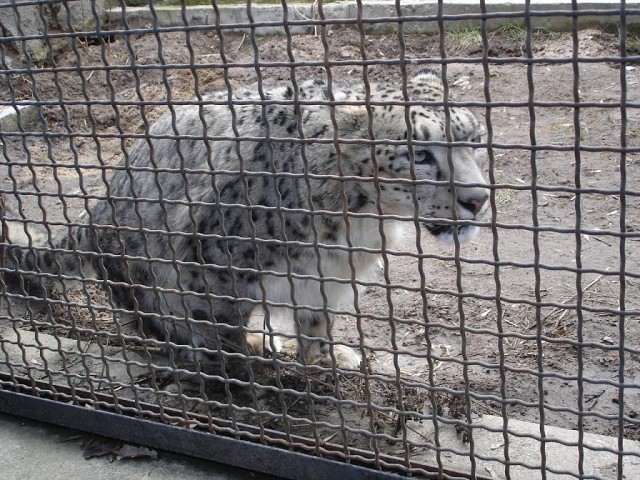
(557, 310)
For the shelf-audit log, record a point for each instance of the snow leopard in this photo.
(282, 199)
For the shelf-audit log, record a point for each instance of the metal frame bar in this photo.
(197, 442)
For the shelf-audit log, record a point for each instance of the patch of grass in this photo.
(468, 38)
(517, 32)
(583, 133)
(514, 31)
(504, 196)
(633, 44)
(632, 41)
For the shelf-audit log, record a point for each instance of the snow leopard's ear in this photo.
(426, 84)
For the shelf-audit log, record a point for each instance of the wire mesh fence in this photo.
(401, 235)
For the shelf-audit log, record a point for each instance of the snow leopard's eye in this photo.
(425, 157)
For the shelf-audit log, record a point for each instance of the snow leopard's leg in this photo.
(316, 349)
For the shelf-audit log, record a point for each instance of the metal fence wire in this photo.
(327, 240)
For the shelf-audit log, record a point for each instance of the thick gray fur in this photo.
(222, 219)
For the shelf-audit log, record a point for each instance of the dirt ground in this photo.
(558, 362)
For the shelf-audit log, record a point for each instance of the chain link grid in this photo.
(436, 380)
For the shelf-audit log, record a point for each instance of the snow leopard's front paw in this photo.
(319, 353)
(262, 345)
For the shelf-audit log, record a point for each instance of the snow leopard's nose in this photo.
(474, 204)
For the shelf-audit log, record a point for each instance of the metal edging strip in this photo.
(238, 453)
(222, 447)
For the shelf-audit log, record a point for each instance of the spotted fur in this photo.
(244, 201)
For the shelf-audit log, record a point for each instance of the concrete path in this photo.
(32, 451)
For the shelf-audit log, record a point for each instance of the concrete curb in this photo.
(271, 17)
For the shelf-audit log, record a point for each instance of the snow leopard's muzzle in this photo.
(468, 209)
